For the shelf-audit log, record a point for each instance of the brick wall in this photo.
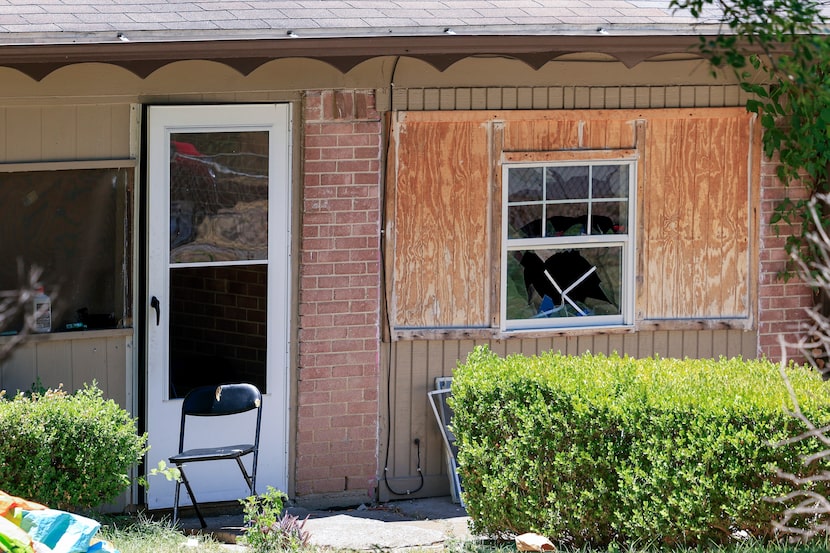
(337, 429)
(782, 304)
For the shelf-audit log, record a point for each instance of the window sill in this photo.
(650, 325)
(72, 335)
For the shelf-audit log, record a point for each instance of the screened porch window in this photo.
(567, 244)
(73, 223)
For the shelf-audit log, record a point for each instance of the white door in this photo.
(217, 283)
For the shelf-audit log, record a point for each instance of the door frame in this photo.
(276, 118)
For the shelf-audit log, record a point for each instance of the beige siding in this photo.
(413, 367)
(567, 97)
(64, 132)
(72, 361)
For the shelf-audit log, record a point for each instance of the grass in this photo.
(143, 535)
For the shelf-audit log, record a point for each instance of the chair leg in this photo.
(249, 479)
(176, 502)
(192, 498)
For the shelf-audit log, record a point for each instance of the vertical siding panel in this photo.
(705, 344)
(89, 362)
(59, 137)
(630, 345)
(54, 364)
(446, 99)
(582, 97)
(463, 98)
(750, 345)
(661, 343)
(675, 345)
(432, 99)
(556, 97)
(122, 125)
(601, 344)
(642, 97)
(509, 98)
(597, 98)
(612, 97)
(540, 98)
(465, 348)
(515, 346)
(524, 98)
(20, 370)
(657, 97)
(402, 408)
(645, 344)
(400, 99)
(732, 96)
(544, 344)
(702, 98)
(628, 95)
(569, 97)
(690, 343)
(424, 425)
(415, 99)
(672, 96)
(734, 344)
(94, 133)
(117, 370)
(23, 134)
(687, 97)
(451, 358)
(493, 98)
(717, 96)
(616, 344)
(584, 343)
(560, 344)
(720, 342)
(499, 347)
(479, 98)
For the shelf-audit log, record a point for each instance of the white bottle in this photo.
(42, 311)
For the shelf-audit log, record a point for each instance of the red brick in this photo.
(321, 141)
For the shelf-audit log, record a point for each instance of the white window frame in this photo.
(624, 241)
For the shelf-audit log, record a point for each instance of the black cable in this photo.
(389, 326)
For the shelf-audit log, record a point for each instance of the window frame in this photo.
(626, 242)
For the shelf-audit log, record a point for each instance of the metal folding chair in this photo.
(217, 401)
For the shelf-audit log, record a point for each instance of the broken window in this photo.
(567, 244)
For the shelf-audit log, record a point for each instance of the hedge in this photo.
(597, 449)
(68, 451)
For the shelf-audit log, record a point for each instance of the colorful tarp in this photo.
(29, 527)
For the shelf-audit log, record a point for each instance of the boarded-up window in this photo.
(441, 264)
(695, 217)
(693, 223)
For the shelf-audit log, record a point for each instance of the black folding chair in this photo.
(217, 401)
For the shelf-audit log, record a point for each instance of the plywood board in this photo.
(696, 218)
(442, 270)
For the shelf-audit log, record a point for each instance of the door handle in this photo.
(156, 304)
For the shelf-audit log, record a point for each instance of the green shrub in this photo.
(68, 451)
(598, 449)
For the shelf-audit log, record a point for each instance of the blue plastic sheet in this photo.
(61, 531)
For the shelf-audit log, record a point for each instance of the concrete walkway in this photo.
(398, 525)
